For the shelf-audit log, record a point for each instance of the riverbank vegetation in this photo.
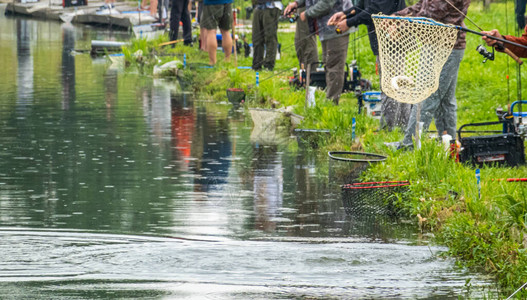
(483, 226)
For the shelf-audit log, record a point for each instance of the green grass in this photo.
(484, 233)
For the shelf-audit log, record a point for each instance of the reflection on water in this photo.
(25, 72)
(68, 66)
(115, 185)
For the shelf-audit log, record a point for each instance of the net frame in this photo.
(347, 166)
(412, 53)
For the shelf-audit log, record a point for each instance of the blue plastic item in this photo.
(517, 113)
(373, 96)
(372, 102)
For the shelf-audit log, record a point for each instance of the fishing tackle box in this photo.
(504, 148)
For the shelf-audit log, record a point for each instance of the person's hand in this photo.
(494, 32)
(336, 18)
(342, 26)
(303, 16)
(290, 7)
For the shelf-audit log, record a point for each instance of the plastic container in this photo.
(372, 102)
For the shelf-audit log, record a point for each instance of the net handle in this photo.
(379, 157)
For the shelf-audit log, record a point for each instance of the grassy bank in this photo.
(485, 229)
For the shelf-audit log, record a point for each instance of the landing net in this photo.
(373, 198)
(412, 52)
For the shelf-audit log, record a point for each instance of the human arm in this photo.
(320, 9)
(292, 6)
(337, 18)
(362, 17)
(519, 51)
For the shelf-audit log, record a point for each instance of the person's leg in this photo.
(520, 13)
(187, 23)
(393, 113)
(164, 10)
(225, 24)
(258, 38)
(226, 43)
(428, 109)
(212, 45)
(336, 53)
(446, 118)
(300, 28)
(270, 18)
(153, 8)
(305, 43)
(202, 38)
(175, 15)
(324, 45)
(430, 106)
(209, 22)
(199, 11)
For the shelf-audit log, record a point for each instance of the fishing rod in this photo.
(498, 46)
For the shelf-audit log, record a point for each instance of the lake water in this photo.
(116, 185)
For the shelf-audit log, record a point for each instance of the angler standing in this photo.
(180, 12)
(393, 113)
(217, 13)
(305, 43)
(334, 45)
(442, 104)
(265, 28)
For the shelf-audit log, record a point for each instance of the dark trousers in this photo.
(179, 12)
(520, 13)
(265, 39)
(305, 43)
(334, 53)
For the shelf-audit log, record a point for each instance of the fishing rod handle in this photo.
(514, 56)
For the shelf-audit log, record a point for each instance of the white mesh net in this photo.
(412, 52)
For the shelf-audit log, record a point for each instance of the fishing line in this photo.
(498, 46)
(517, 291)
(464, 15)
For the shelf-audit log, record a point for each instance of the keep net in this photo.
(412, 52)
(372, 198)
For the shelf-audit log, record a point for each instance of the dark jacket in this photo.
(322, 10)
(363, 12)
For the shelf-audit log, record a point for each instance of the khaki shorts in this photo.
(219, 15)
